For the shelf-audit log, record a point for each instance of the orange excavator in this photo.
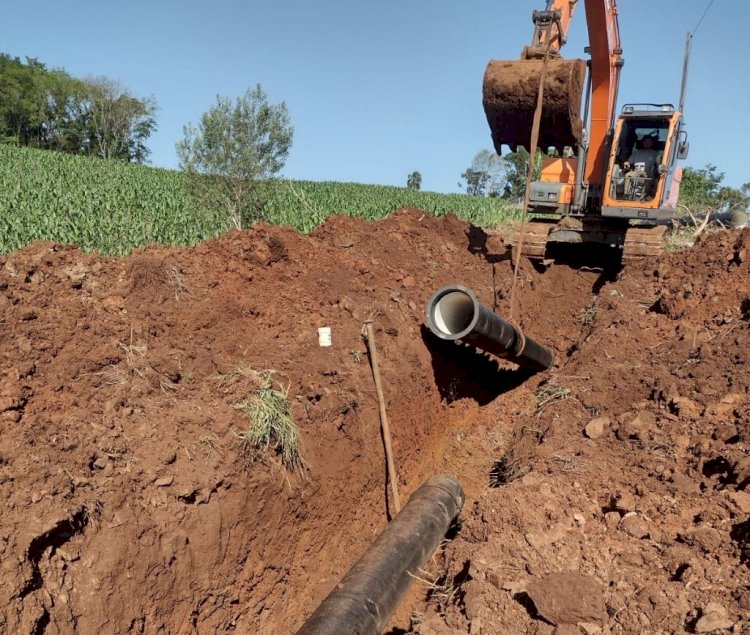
(606, 178)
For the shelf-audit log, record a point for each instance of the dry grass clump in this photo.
(271, 422)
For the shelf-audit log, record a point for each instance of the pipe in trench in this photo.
(454, 313)
(364, 600)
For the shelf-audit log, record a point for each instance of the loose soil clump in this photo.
(131, 503)
(509, 95)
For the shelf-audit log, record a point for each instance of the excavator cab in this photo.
(642, 179)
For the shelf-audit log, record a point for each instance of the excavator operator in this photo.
(646, 154)
(639, 168)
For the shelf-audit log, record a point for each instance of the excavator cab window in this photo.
(640, 151)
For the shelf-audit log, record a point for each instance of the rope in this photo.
(514, 318)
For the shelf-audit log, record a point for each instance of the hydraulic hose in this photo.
(454, 313)
(366, 597)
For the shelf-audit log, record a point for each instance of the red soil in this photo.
(130, 505)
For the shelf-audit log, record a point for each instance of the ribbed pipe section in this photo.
(454, 313)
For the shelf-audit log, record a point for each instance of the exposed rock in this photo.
(743, 598)
(685, 408)
(623, 502)
(568, 598)
(714, 618)
(741, 471)
(636, 427)
(707, 539)
(169, 458)
(495, 244)
(634, 525)
(596, 428)
(611, 519)
(742, 500)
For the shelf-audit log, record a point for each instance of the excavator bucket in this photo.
(510, 95)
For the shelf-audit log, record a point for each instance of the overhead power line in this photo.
(703, 16)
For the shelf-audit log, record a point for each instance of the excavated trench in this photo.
(131, 503)
(132, 506)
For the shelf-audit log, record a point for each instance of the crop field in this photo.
(114, 207)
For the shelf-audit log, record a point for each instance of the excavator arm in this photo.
(511, 87)
(550, 25)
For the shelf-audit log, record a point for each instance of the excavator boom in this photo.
(606, 63)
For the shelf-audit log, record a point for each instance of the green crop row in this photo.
(114, 207)
(306, 204)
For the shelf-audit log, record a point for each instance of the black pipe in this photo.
(364, 600)
(735, 218)
(454, 313)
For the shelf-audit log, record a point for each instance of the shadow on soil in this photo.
(741, 535)
(589, 256)
(462, 372)
(478, 245)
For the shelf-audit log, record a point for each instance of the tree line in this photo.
(237, 145)
(47, 108)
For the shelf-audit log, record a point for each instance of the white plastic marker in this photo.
(324, 336)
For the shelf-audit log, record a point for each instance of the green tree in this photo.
(699, 188)
(492, 175)
(65, 128)
(118, 123)
(485, 175)
(50, 109)
(34, 102)
(475, 182)
(517, 171)
(234, 149)
(702, 190)
(414, 181)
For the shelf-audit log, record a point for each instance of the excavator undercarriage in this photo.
(634, 241)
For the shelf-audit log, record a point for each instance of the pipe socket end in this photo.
(452, 312)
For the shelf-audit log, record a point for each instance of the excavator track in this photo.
(536, 235)
(642, 242)
(636, 242)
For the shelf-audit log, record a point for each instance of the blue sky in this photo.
(379, 89)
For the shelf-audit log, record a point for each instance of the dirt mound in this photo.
(132, 506)
(129, 503)
(628, 465)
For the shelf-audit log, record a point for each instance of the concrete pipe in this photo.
(454, 313)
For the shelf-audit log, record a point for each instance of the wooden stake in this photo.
(385, 428)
